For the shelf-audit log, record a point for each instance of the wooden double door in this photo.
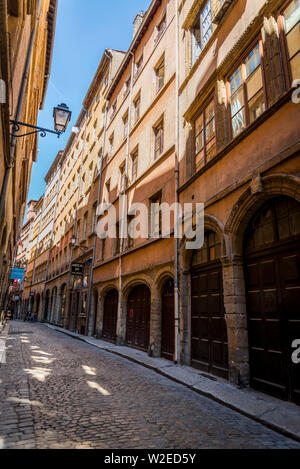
(110, 317)
(209, 345)
(168, 322)
(138, 318)
(272, 271)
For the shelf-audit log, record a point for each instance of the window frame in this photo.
(205, 105)
(241, 63)
(284, 45)
(160, 124)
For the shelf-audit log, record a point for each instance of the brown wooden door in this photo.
(209, 331)
(138, 318)
(168, 322)
(110, 316)
(272, 269)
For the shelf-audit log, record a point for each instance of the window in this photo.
(125, 124)
(247, 95)
(138, 67)
(134, 165)
(137, 109)
(205, 136)
(107, 185)
(90, 174)
(292, 32)
(85, 225)
(113, 110)
(158, 139)
(130, 240)
(117, 240)
(94, 131)
(161, 28)
(111, 145)
(102, 249)
(160, 75)
(122, 178)
(83, 185)
(127, 87)
(156, 215)
(201, 31)
(94, 219)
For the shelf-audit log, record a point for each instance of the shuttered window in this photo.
(292, 32)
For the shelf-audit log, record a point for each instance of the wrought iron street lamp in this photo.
(74, 244)
(61, 115)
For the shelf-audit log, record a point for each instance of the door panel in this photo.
(272, 272)
(110, 316)
(138, 318)
(209, 331)
(168, 322)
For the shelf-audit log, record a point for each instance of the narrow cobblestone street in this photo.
(57, 392)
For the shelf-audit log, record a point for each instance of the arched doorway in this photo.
(168, 321)
(37, 307)
(110, 316)
(53, 305)
(96, 297)
(272, 274)
(209, 343)
(46, 310)
(138, 317)
(62, 307)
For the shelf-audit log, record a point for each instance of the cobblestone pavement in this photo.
(56, 392)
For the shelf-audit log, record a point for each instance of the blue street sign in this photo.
(17, 274)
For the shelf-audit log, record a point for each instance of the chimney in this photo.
(137, 22)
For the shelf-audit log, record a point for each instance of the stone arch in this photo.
(211, 223)
(102, 293)
(131, 283)
(253, 198)
(248, 204)
(161, 277)
(62, 304)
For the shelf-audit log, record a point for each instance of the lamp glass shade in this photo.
(73, 240)
(62, 116)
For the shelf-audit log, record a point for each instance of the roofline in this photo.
(87, 98)
(51, 26)
(54, 165)
(134, 45)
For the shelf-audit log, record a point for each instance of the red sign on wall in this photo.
(131, 314)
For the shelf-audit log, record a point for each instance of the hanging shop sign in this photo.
(77, 269)
(17, 274)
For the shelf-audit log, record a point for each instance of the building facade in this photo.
(26, 36)
(200, 109)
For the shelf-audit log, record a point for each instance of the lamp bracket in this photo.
(42, 131)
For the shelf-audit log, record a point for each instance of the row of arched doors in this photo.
(272, 280)
(138, 318)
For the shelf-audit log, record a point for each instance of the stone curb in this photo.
(270, 412)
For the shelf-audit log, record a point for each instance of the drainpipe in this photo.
(98, 203)
(125, 187)
(18, 112)
(176, 254)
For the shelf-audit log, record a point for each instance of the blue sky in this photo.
(84, 28)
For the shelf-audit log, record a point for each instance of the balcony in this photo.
(220, 8)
